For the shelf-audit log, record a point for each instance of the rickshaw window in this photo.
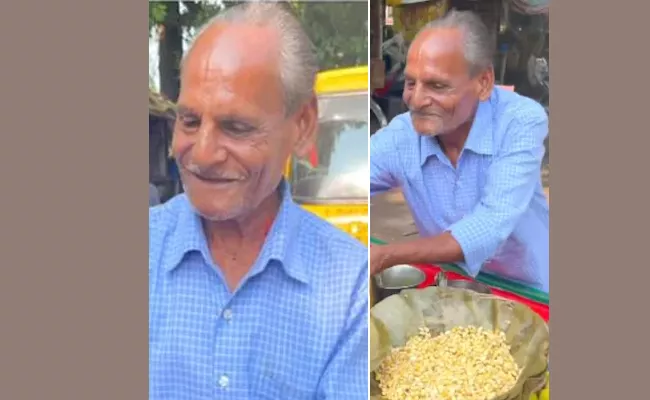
(341, 173)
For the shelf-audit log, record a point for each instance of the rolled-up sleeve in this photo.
(346, 375)
(382, 154)
(511, 182)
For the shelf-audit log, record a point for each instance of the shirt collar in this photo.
(189, 236)
(478, 141)
(480, 134)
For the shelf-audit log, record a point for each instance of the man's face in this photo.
(232, 135)
(439, 90)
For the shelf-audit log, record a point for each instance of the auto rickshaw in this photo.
(332, 182)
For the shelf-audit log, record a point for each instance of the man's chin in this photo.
(214, 205)
(216, 212)
(426, 129)
(426, 126)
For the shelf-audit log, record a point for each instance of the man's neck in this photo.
(452, 143)
(236, 244)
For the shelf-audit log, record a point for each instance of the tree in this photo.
(339, 32)
(172, 21)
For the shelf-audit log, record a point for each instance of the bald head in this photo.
(459, 31)
(229, 57)
(226, 46)
(437, 46)
(263, 34)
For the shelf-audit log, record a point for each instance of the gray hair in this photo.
(478, 43)
(298, 62)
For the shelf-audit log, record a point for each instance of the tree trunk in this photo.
(170, 52)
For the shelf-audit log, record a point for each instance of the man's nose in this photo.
(419, 98)
(208, 148)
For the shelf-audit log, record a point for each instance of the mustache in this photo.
(424, 114)
(211, 175)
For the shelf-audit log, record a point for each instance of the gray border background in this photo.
(73, 291)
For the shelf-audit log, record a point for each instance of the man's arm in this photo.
(382, 159)
(510, 186)
(346, 375)
(443, 248)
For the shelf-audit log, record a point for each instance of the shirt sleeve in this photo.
(510, 186)
(346, 375)
(382, 154)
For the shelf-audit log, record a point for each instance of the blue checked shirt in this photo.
(295, 329)
(493, 202)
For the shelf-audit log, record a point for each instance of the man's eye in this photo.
(409, 83)
(189, 121)
(237, 127)
(438, 86)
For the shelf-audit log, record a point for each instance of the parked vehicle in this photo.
(333, 181)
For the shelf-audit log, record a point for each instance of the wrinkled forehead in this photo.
(232, 60)
(227, 47)
(437, 51)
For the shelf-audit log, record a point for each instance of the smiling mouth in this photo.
(215, 180)
(426, 116)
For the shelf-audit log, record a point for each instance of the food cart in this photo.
(536, 300)
(332, 182)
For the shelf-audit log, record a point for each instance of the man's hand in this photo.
(378, 259)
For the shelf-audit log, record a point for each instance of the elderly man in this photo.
(250, 297)
(467, 157)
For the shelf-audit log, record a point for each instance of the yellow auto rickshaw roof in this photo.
(342, 80)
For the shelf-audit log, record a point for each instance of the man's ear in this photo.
(307, 128)
(485, 84)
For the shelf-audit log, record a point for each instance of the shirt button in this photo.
(223, 381)
(227, 314)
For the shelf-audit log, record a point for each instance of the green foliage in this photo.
(195, 13)
(200, 12)
(157, 12)
(339, 30)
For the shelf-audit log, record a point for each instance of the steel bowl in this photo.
(397, 278)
